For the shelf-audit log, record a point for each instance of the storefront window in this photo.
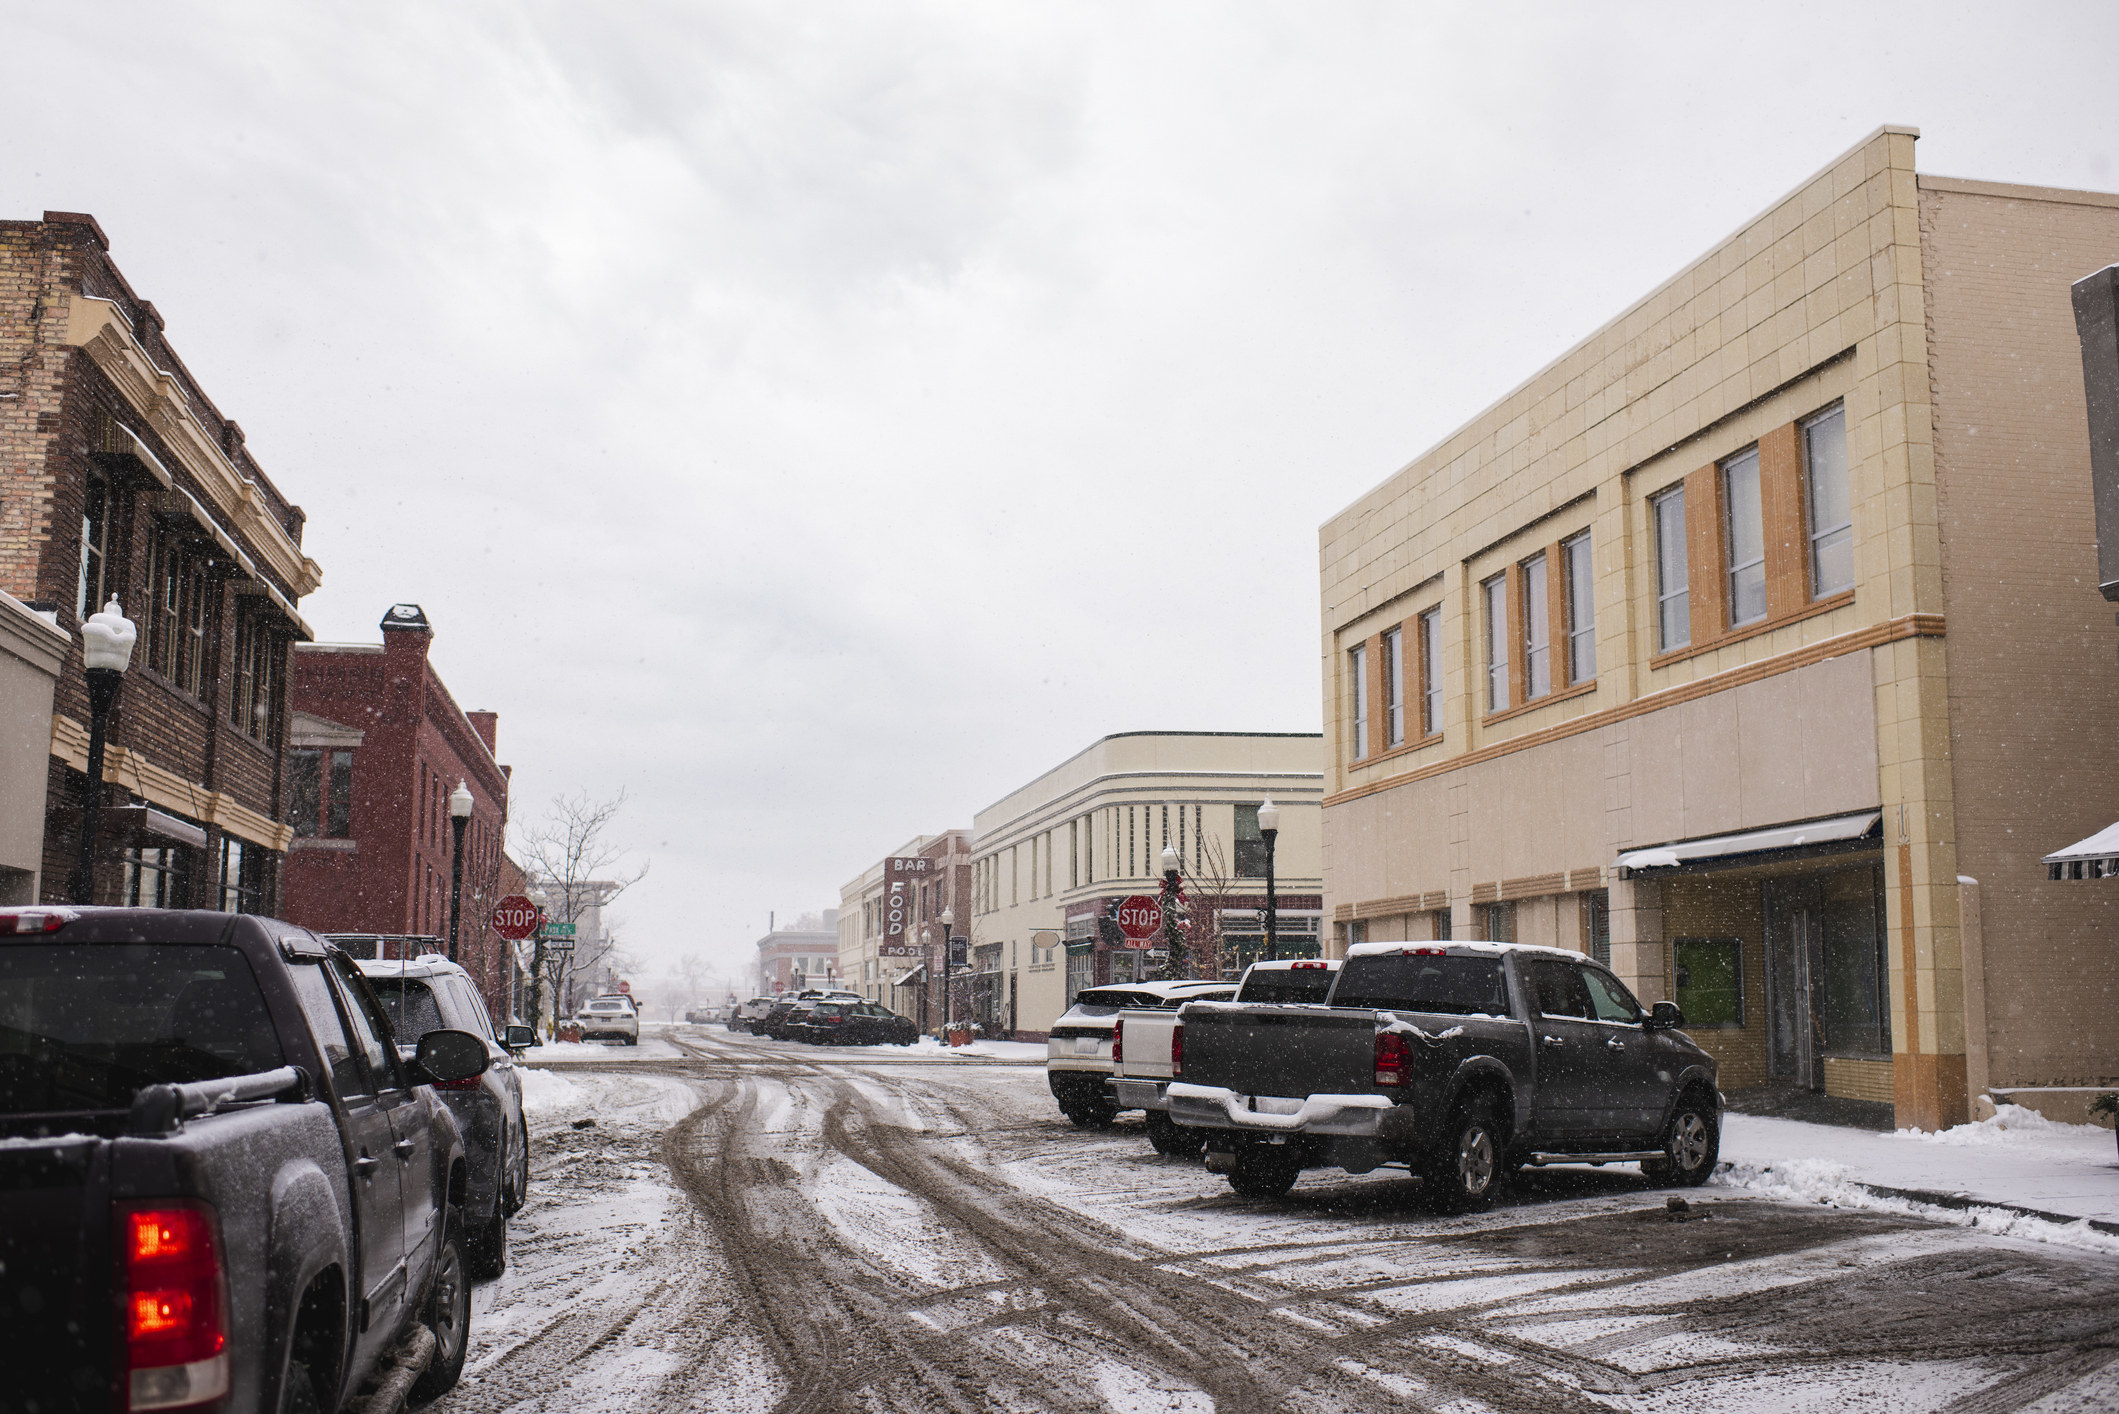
(157, 878)
(1710, 980)
(1853, 1004)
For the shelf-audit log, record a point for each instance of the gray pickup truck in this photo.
(1461, 1061)
(221, 1185)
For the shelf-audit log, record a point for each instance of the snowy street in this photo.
(753, 1225)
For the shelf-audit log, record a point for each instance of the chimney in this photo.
(487, 725)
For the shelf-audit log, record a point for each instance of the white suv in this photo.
(609, 1018)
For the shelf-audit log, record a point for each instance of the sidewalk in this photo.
(2018, 1162)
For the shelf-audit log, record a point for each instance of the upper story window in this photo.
(1494, 595)
(1357, 679)
(1430, 643)
(1537, 631)
(95, 547)
(1831, 510)
(1394, 687)
(320, 792)
(1250, 844)
(1744, 531)
(1673, 599)
(1581, 606)
(260, 658)
(180, 614)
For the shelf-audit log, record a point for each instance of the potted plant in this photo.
(2107, 1104)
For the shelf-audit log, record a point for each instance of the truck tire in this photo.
(1264, 1171)
(1173, 1140)
(1693, 1144)
(298, 1391)
(1090, 1114)
(1472, 1167)
(448, 1314)
(486, 1253)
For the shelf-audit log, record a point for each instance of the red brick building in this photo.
(119, 478)
(375, 747)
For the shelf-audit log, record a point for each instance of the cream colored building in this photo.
(1057, 855)
(32, 652)
(1745, 637)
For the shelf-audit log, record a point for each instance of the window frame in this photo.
(1753, 570)
(1493, 603)
(1735, 952)
(1668, 600)
(1837, 412)
(94, 571)
(1358, 691)
(1579, 607)
(1534, 624)
(1428, 639)
(1394, 686)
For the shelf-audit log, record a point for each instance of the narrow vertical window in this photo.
(1744, 525)
(1394, 687)
(95, 538)
(338, 814)
(304, 789)
(1673, 599)
(1537, 632)
(1357, 682)
(1431, 672)
(1581, 610)
(1494, 594)
(1074, 854)
(1830, 503)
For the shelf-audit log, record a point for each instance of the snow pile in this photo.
(544, 1092)
(1832, 1184)
(927, 1046)
(2017, 1127)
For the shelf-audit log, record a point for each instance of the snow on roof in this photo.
(2102, 845)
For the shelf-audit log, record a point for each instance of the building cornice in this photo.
(96, 328)
(158, 785)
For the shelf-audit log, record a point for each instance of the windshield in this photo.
(411, 1005)
(85, 1027)
(1458, 986)
(1300, 984)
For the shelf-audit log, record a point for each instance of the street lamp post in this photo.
(460, 804)
(1269, 826)
(1174, 960)
(106, 651)
(948, 920)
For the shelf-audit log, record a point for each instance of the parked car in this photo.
(700, 1016)
(1147, 1047)
(1461, 1061)
(221, 1183)
(774, 1022)
(431, 993)
(748, 1014)
(1078, 1047)
(843, 1023)
(609, 1018)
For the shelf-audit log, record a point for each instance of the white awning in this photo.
(1669, 856)
(2094, 858)
(918, 974)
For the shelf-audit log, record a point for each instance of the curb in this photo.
(1965, 1201)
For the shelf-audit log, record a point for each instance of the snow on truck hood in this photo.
(1462, 945)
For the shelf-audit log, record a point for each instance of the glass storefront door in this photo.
(1827, 977)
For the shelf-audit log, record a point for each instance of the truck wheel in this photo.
(1693, 1143)
(1264, 1171)
(486, 1254)
(448, 1315)
(1470, 1171)
(298, 1391)
(1171, 1139)
(1090, 1114)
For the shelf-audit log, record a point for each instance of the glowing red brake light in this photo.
(1308, 964)
(173, 1326)
(1177, 1049)
(35, 921)
(1423, 952)
(1118, 1042)
(1393, 1057)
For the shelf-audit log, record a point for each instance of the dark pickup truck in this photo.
(1461, 1061)
(220, 1183)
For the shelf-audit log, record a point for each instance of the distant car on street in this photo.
(609, 1018)
(700, 1016)
(851, 1023)
(748, 1014)
(431, 993)
(774, 1022)
(1078, 1049)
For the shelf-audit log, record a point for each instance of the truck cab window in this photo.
(313, 989)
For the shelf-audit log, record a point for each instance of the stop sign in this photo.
(515, 917)
(1139, 918)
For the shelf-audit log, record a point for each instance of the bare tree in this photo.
(578, 869)
(692, 972)
(1210, 890)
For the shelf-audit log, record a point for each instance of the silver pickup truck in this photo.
(1147, 1046)
(1458, 1060)
(1078, 1047)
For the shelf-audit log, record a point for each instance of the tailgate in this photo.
(1293, 1051)
(55, 1274)
(1147, 1049)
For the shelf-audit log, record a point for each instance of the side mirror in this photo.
(1665, 1016)
(518, 1038)
(445, 1056)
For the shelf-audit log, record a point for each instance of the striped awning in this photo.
(2094, 858)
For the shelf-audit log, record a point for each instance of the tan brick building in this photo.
(119, 477)
(1752, 643)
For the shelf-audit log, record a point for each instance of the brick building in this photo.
(120, 478)
(1750, 645)
(890, 932)
(804, 955)
(376, 746)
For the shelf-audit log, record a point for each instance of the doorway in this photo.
(1827, 979)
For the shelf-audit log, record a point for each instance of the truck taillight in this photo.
(1393, 1057)
(173, 1322)
(35, 921)
(1177, 1049)
(1118, 1042)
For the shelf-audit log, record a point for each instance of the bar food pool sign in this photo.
(902, 875)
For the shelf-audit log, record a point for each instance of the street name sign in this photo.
(1140, 918)
(515, 918)
(559, 930)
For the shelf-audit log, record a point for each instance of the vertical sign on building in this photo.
(901, 891)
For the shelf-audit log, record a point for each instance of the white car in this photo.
(1078, 1049)
(609, 1018)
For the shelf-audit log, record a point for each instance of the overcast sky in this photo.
(817, 420)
